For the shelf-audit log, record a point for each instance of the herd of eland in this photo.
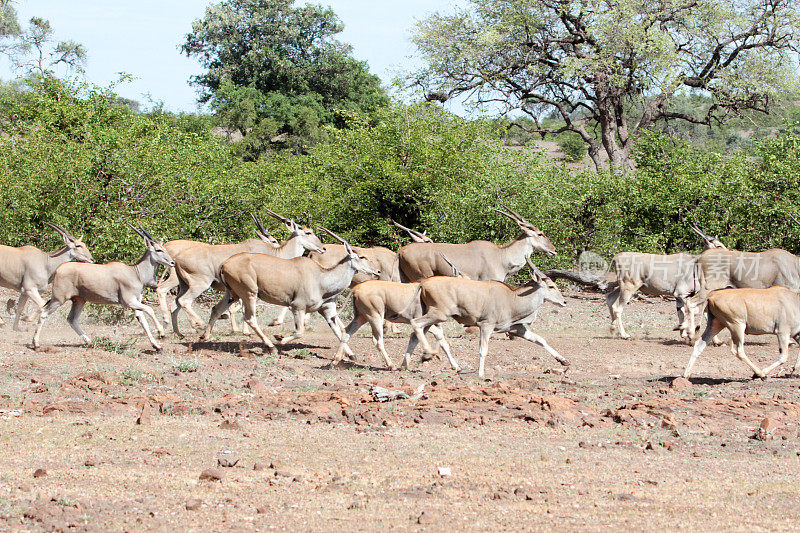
(423, 284)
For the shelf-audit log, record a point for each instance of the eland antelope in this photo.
(492, 306)
(479, 260)
(657, 275)
(28, 270)
(300, 284)
(775, 311)
(198, 266)
(113, 283)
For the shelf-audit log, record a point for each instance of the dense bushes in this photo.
(74, 155)
(91, 165)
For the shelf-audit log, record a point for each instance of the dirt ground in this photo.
(115, 436)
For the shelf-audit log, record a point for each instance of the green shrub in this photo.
(73, 155)
(573, 148)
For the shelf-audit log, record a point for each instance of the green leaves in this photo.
(608, 70)
(276, 69)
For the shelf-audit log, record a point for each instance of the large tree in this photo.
(609, 68)
(276, 68)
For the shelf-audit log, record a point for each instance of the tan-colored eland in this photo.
(720, 269)
(198, 266)
(772, 311)
(300, 284)
(657, 275)
(264, 241)
(113, 283)
(479, 260)
(28, 270)
(492, 306)
(377, 302)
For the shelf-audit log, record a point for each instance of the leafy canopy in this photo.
(274, 68)
(610, 69)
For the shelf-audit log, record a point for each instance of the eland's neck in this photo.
(337, 278)
(528, 299)
(56, 259)
(291, 248)
(146, 270)
(514, 254)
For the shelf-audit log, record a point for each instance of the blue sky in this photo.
(142, 39)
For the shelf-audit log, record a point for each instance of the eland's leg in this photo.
(438, 333)
(797, 361)
(72, 318)
(162, 290)
(349, 331)
(185, 300)
(524, 332)
(376, 324)
(279, 320)
(249, 303)
(231, 312)
(328, 312)
(625, 293)
(421, 324)
(47, 310)
(413, 340)
(737, 348)
(713, 327)
(141, 312)
(299, 314)
(23, 300)
(483, 347)
(783, 351)
(217, 311)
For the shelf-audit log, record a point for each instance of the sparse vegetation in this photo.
(131, 375)
(120, 346)
(301, 353)
(110, 315)
(186, 365)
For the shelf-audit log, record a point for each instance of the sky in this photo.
(142, 38)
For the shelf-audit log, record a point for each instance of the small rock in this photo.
(625, 497)
(43, 496)
(90, 462)
(765, 429)
(194, 504)
(212, 474)
(39, 472)
(24, 487)
(426, 518)
(669, 422)
(258, 466)
(680, 384)
(358, 504)
(145, 415)
(768, 425)
(230, 424)
(255, 385)
(444, 471)
(522, 493)
(261, 509)
(227, 458)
